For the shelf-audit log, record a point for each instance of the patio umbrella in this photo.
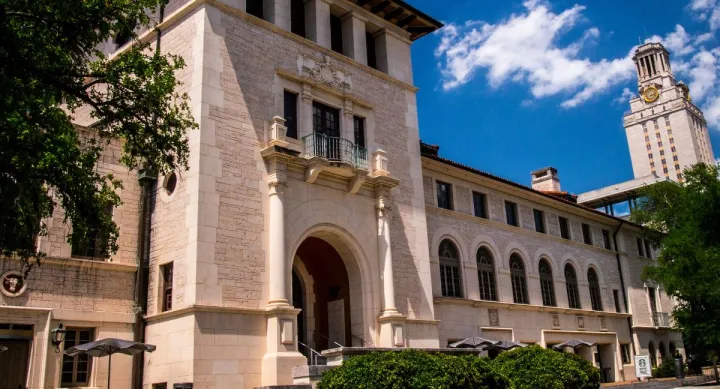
(473, 342)
(574, 343)
(108, 347)
(508, 345)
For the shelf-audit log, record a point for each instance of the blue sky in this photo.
(510, 86)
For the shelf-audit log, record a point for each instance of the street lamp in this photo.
(58, 336)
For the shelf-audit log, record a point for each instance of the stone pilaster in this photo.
(317, 22)
(277, 12)
(354, 44)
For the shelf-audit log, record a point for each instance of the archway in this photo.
(321, 289)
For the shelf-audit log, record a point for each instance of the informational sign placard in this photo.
(643, 368)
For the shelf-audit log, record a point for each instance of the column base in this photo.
(392, 330)
(282, 353)
(277, 367)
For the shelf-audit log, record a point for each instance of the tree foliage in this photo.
(684, 219)
(51, 66)
(413, 369)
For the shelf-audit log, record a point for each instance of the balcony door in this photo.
(326, 129)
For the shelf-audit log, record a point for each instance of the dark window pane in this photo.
(640, 247)
(594, 285)
(359, 124)
(336, 39)
(290, 108)
(539, 220)
(519, 282)
(480, 204)
(449, 269)
(616, 297)
(587, 235)
(297, 17)
(547, 284)
(167, 279)
(571, 285)
(326, 120)
(371, 54)
(486, 274)
(648, 251)
(444, 195)
(511, 213)
(606, 239)
(564, 227)
(255, 8)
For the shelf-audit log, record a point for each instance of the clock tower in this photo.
(666, 132)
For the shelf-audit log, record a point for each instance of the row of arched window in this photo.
(662, 350)
(451, 285)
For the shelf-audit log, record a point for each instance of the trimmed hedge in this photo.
(524, 368)
(666, 368)
(412, 369)
(535, 367)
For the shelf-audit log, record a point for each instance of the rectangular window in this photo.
(640, 247)
(326, 120)
(76, 370)
(648, 147)
(539, 220)
(290, 112)
(657, 135)
(653, 300)
(90, 245)
(587, 235)
(297, 17)
(663, 161)
(650, 155)
(616, 298)
(371, 53)
(648, 251)
(359, 127)
(167, 286)
(625, 349)
(675, 158)
(511, 213)
(336, 39)
(480, 205)
(606, 239)
(160, 386)
(254, 8)
(564, 227)
(662, 152)
(444, 195)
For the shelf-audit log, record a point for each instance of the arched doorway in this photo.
(321, 289)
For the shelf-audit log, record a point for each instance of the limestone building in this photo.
(666, 132)
(312, 218)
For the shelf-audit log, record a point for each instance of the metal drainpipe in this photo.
(622, 285)
(148, 186)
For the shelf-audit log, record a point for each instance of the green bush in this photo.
(412, 369)
(535, 367)
(666, 368)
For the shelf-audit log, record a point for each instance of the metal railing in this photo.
(661, 319)
(335, 149)
(314, 357)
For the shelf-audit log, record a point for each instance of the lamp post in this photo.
(58, 336)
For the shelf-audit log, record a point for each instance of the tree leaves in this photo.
(51, 67)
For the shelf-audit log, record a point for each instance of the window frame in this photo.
(359, 131)
(616, 299)
(640, 247)
(587, 233)
(625, 353)
(648, 251)
(595, 291)
(607, 242)
(481, 198)
(167, 273)
(80, 246)
(448, 191)
(571, 287)
(74, 383)
(291, 118)
(541, 215)
(515, 214)
(547, 283)
(518, 278)
(487, 282)
(450, 272)
(564, 227)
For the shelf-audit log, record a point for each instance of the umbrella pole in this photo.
(109, 360)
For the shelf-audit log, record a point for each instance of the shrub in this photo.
(412, 369)
(666, 368)
(535, 367)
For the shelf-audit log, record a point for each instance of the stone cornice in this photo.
(203, 308)
(172, 19)
(84, 263)
(519, 230)
(526, 307)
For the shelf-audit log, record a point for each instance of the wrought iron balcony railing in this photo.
(661, 319)
(335, 150)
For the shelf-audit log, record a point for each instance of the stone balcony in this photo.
(661, 320)
(335, 150)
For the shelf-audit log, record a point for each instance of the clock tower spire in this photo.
(666, 132)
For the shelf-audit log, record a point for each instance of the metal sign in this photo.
(643, 368)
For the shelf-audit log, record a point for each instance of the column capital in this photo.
(306, 94)
(354, 15)
(277, 184)
(382, 204)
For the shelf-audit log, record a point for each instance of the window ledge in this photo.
(525, 307)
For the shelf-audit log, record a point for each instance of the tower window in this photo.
(564, 227)
(371, 53)
(297, 17)
(290, 112)
(254, 8)
(359, 126)
(336, 39)
(166, 271)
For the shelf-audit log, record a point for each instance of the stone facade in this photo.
(246, 300)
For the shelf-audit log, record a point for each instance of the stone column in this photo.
(317, 22)
(305, 125)
(354, 44)
(276, 245)
(278, 13)
(385, 256)
(393, 55)
(347, 128)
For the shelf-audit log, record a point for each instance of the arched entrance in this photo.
(321, 288)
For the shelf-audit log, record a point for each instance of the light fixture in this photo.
(58, 336)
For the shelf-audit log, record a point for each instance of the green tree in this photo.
(50, 66)
(684, 220)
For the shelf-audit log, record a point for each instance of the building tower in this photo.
(666, 132)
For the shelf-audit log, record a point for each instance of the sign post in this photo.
(643, 368)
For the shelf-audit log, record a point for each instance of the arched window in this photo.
(673, 348)
(661, 348)
(486, 274)
(571, 284)
(449, 269)
(594, 285)
(519, 281)
(546, 283)
(653, 356)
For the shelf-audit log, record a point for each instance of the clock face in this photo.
(651, 94)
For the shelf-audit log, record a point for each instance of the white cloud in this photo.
(677, 42)
(702, 74)
(626, 96)
(523, 49)
(707, 10)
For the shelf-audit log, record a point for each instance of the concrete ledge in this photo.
(310, 371)
(284, 387)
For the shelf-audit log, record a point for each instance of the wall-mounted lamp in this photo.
(58, 336)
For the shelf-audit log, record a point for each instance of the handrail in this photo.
(362, 340)
(314, 355)
(328, 339)
(335, 149)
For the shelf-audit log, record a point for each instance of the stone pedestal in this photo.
(281, 355)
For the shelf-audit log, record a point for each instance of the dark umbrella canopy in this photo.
(508, 345)
(109, 346)
(473, 342)
(574, 343)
